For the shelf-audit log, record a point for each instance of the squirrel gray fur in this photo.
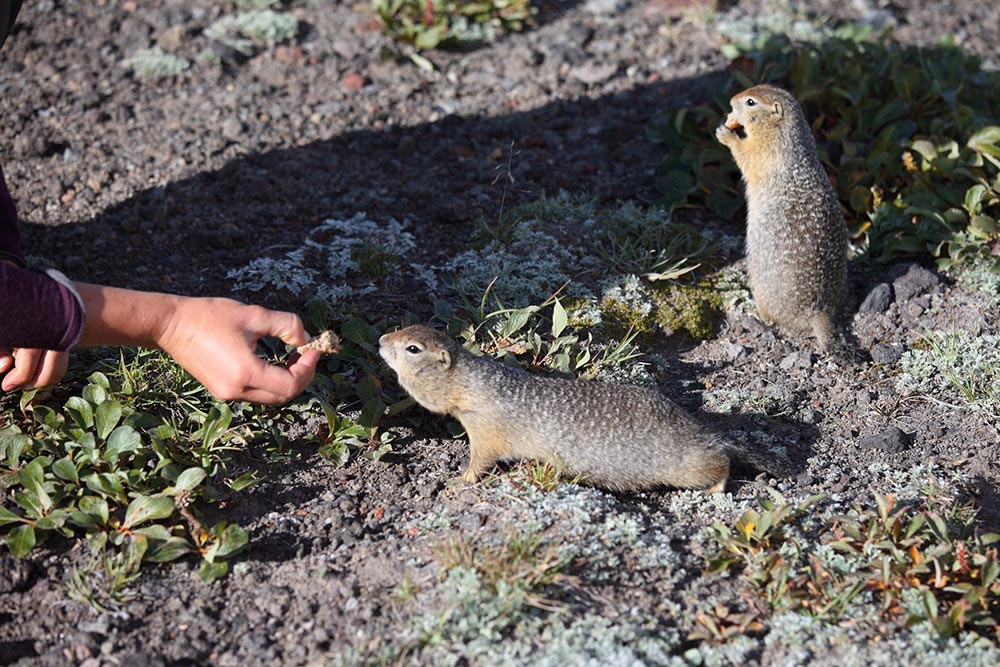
(613, 436)
(796, 236)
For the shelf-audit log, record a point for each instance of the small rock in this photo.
(804, 479)
(591, 73)
(892, 440)
(352, 81)
(886, 354)
(915, 281)
(470, 522)
(810, 416)
(232, 128)
(878, 299)
(170, 39)
(799, 359)
(133, 35)
(603, 7)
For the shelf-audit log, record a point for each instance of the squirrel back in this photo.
(614, 436)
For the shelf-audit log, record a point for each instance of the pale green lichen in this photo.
(340, 248)
(956, 363)
(154, 64)
(247, 31)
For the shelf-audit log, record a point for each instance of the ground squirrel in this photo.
(796, 236)
(614, 436)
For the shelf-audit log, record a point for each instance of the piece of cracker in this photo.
(324, 343)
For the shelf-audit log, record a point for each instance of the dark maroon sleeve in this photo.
(36, 311)
(10, 239)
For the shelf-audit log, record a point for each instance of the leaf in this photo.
(190, 478)
(95, 507)
(172, 549)
(430, 38)
(243, 481)
(216, 424)
(66, 470)
(82, 520)
(21, 540)
(559, 319)
(106, 417)
(95, 394)
(8, 517)
(231, 539)
(986, 140)
(122, 440)
(148, 508)
(81, 412)
(52, 521)
(211, 571)
(155, 532)
(26, 398)
(31, 476)
(337, 452)
(422, 62)
(12, 445)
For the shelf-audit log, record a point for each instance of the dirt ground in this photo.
(171, 185)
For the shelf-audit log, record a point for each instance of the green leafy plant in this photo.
(915, 163)
(918, 563)
(428, 24)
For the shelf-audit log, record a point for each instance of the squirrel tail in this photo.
(773, 463)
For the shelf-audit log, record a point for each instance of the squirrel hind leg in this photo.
(824, 330)
(709, 475)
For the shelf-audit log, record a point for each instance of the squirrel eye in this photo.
(413, 349)
(751, 102)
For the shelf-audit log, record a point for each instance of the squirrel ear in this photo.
(445, 358)
(779, 111)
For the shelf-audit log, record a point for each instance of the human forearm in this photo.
(125, 317)
(214, 339)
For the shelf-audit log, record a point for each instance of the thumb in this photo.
(6, 360)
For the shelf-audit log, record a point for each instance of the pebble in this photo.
(878, 299)
(232, 128)
(886, 355)
(470, 522)
(352, 81)
(797, 359)
(604, 7)
(810, 416)
(916, 280)
(892, 440)
(591, 73)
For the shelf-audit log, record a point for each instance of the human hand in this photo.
(215, 341)
(29, 369)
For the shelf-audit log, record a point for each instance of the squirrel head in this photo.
(422, 359)
(763, 130)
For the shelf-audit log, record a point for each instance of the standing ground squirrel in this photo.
(613, 436)
(796, 236)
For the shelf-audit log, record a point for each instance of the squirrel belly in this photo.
(796, 235)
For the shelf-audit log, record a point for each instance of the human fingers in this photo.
(276, 385)
(25, 364)
(286, 326)
(6, 360)
(51, 370)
